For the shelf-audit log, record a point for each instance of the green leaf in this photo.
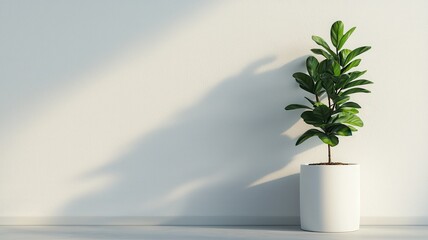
(334, 118)
(345, 38)
(323, 112)
(340, 99)
(336, 68)
(317, 104)
(329, 139)
(354, 90)
(351, 104)
(296, 106)
(355, 53)
(308, 134)
(344, 131)
(322, 52)
(348, 110)
(328, 85)
(339, 129)
(324, 67)
(350, 119)
(357, 83)
(310, 118)
(328, 68)
(312, 65)
(320, 41)
(305, 81)
(342, 56)
(336, 32)
(352, 128)
(356, 74)
(318, 88)
(317, 117)
(352, 64)
(342, 80)
(312, 102)
(323, 44)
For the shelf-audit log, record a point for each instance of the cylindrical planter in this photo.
(330, 198)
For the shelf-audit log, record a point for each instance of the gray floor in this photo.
(203, 232)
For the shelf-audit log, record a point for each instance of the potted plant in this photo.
(330, 191)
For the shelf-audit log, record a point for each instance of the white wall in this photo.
(172, 111)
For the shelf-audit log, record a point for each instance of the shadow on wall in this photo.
(205, 161)
(47, 45)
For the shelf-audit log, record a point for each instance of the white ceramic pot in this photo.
(330, 198)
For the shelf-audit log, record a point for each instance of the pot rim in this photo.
(347, 165)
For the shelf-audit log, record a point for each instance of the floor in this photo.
(204, 232)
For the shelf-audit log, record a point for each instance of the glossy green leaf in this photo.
(355, 53)
(322, 52)
(310, 118)
(352, 64)
(336, 32)
(317, 117)
(354, 90)
(336, 68)
(356, 74)
(318, 87)
(323, 67)
(352, 128)
(308, 134)
(351, 104)
(296, 106)
(312, 65)
(345, 38)
(342, 56)
(317, 104)
(344, 131)
(334, 118)
(328, 85)
(323, 112)
(350, 119)
(305, 81)
(339, 129)
(320, 41)
(329, 139)
(312, 102)
(323, 44)
(357, 83)
(340, 99)
(348, 110)
(342, 80)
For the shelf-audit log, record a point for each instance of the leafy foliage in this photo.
(331, 84)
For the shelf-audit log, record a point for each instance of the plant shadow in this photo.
(204, 162)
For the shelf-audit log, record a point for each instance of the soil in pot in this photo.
(330, 163)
